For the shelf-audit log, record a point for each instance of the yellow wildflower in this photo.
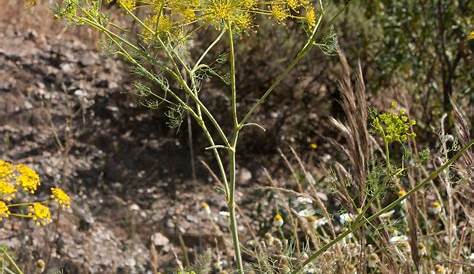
(28, 178)
(401, 192)
(279, 12)
(221, 10)
(164, 26)
(6, 169)
(293, 4)
(188, 14)
(7, 191)
(127, 4)
(313, 146)
(60, 197)
(4, 211)
(243, 21)
(248, 4)
(311, 17)
(40, 213)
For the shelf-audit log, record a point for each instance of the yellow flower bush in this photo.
(20, 177)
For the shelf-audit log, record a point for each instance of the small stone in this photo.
(244, 175)
(159, 239)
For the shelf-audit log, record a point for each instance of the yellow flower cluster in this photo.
(13, 179)
(39, 213)
(172, 16)
(28, 178)
(394, 126)
(60, 197)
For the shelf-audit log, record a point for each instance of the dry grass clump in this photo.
(427, 231)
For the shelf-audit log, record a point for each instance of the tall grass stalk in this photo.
(361, 220)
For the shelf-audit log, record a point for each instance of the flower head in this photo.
(394, 126)
(436, 207)
(373, 260)
(40, 213)
(4, 211)
(206, 209)
(127, 4)
(60, 197)
(28, 179)
(7, 190)
(278, 220)
(311, 17)
(279, 12)
(6, 169)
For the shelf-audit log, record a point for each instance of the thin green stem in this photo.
(231, 205)
(232, 77)
(213, 44)
(11, 261)
(387, 155)
(358, 224)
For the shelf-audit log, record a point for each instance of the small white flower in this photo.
(346, 217)
(471, 257)
(224, 213)
(398, 239)
(387, 215)
(303, 200)
(306, 212)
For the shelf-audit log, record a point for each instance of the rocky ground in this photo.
(59, 113)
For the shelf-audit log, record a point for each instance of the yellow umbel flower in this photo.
(4, 211)
(311, 17)
(248, 4)
(293, 4)
(127, 4)
(221, 10)
(28, 178)
(60, 197)
(6, 169)
(7, 190)
(40, 213)
(279, 13)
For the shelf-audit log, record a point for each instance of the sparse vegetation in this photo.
(337, 135)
